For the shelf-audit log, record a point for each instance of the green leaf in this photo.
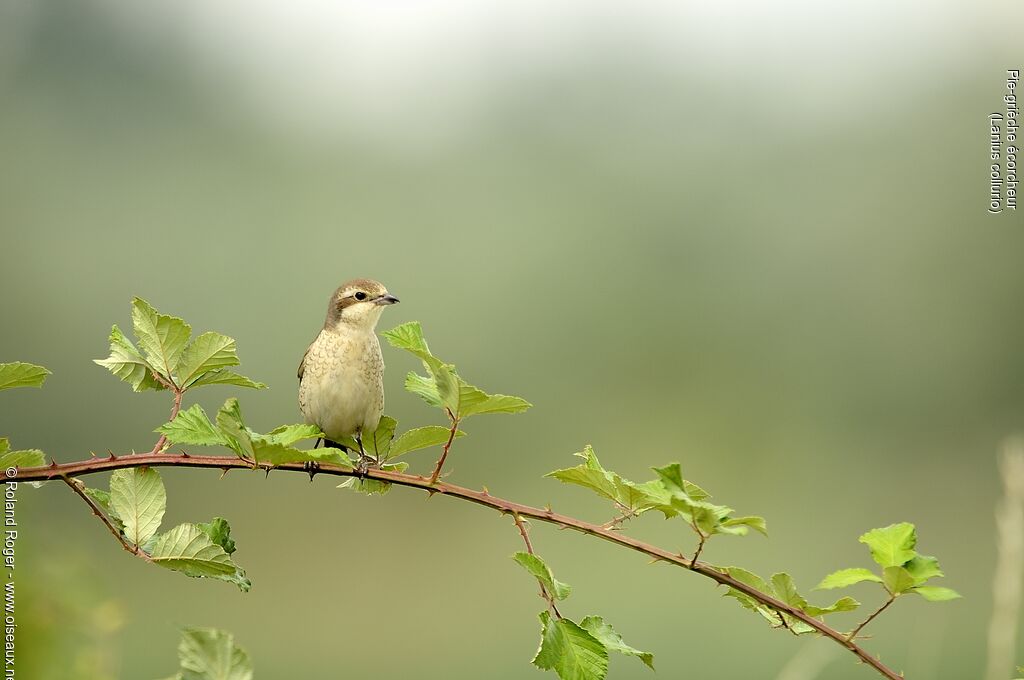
(378, 442)
(127, 363)
(219, 532)
(409, 336)
(226, 377)
(922, 568)
(540, 571)
(102, 498)
(445, 390)
(162, 338)
(289, 434)
(25, 458)
(232, 427)
(738, 525)
(843, 604)
(211, 654)
(757, 583)
(636, 498)
(474, 401)
(190, 550)
(206, 352)
(138, 497)
(21, 374)
(192, 426)
(897, 579)
(569, 650)
(590, 474)
(612, 641)
(425, 388)
(935, 593)
(847, 577)
(421, 438)
(891, 546)
(785, 590)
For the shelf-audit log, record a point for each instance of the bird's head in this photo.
(358, 303)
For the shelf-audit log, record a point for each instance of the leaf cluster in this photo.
(574, 651)
(135, 506)
(167, 357)
(669, 494)
(903, 570)
(442, 387)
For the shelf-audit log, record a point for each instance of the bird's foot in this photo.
(364, 464)
(311, 467)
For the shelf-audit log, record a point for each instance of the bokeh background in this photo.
(747, 236)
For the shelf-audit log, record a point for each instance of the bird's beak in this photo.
(386, 300)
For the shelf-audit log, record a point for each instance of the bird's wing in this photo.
(302, 364)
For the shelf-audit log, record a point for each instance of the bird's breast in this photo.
(342, 385)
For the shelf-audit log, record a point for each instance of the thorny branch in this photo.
(432, 485)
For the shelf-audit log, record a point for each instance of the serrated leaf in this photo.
(612, 641)
(590, 474)
(569, 650)
(847, 577)
(25, 458)
(162, 338)
(897, 579)
(423, 388)
(226, 377)
(102, 499)
(378, 443)
(211, 654)
(935, 593)
(289, 434)
(738, 525)
(843, 604)
(445, 389)
(757, 583)
(474, 401)
(409, 336)
(219, 532)
(785, 590)
(421, 438)
(206, 352)
(190, 550)
(192, 426)
(232, 427)
(891, 546)
(127, 363)
(138, 497)
(922, 568)
(21, 374)
(540, 571)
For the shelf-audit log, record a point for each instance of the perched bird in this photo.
(341, 376)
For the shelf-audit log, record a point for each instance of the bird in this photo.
(341, 375)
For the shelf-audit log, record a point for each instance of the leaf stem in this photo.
(524, 532)
(175, 407)
(447, 445)
(853, 636)
(96, 510)
(96, 465)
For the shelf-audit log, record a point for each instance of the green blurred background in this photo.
(749, 238)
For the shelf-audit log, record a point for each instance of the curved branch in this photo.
(483, 498)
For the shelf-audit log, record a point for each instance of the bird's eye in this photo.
(360, 295)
